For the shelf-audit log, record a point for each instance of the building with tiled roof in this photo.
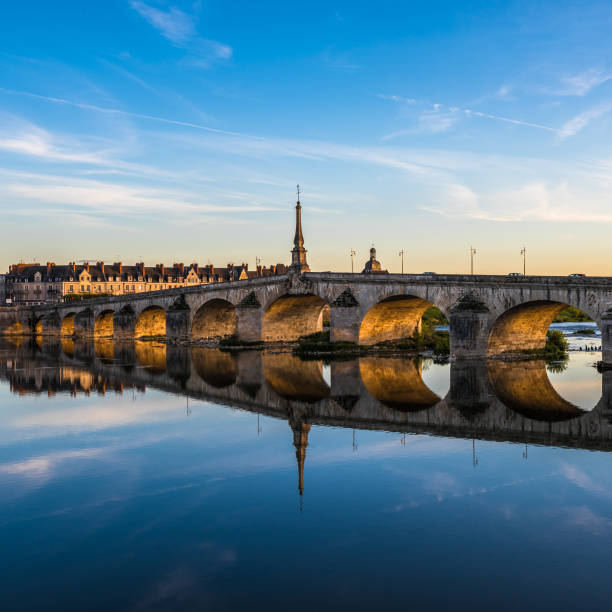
(33, 283)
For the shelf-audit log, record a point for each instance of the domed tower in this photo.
(372, 266)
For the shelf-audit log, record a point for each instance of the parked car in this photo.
(577, 275)
(514, 274)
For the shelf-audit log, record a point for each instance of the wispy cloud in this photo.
(442, 117)
(180, 29)
(394, 98)
(535, 201)
(580, 121)
(581, 84)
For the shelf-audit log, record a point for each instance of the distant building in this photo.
(33, 283)
(372, 266)
(2, 289)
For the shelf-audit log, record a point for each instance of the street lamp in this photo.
(401, 254)
(524, 254)
(472, 253)
(353, 253)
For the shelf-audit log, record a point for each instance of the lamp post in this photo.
(353, 253)
(401, 254)
(472, 253)
(524, 254)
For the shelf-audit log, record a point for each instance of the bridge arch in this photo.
(524, 327)
(67, 328)
(393, 318)
(151, 322)
(290, 317)
(216, 318)
(104, 324)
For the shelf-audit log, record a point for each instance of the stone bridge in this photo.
(488, 315)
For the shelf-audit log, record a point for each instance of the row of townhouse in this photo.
(34, 283)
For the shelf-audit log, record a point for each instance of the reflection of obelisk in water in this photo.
(300, 441)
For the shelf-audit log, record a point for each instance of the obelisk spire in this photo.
(298, 254)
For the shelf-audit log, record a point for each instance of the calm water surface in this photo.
(149, 477)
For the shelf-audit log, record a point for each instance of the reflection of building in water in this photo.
(490, 400)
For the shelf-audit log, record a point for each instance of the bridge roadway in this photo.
(487, 399)
(488, 314)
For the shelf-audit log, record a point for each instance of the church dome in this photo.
(372, 265)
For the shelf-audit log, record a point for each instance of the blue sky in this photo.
(176, 131)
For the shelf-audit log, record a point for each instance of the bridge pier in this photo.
(84, 324)
(51, 325)
(468, 320)
(249, 321)
(606, 336)
(177, 323)
(344, 320)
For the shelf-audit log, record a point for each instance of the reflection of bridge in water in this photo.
(487, 399)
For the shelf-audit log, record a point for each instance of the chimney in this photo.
(140, 267)
(73, 266)
(161, 269)
(259, 271)
(196, 268)
(87, 266)
(119, 267)
(181, 268)
(101, 266)
(50, 265)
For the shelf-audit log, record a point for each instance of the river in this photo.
(151, 477)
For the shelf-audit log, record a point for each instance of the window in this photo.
(71, 289)
(88, 288)
(133, 287)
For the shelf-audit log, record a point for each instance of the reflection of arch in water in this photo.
(67, 328)
(292, 316)
(214, 319)
(393, 318)
(525, 388)
(67, 344)
(397, 383)
(38, 327)
(151, 322)
(151, 355)
(523, 327)
(295, 379)
(15, 329)
(104, 325)
(104, 348)
(215, 367)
